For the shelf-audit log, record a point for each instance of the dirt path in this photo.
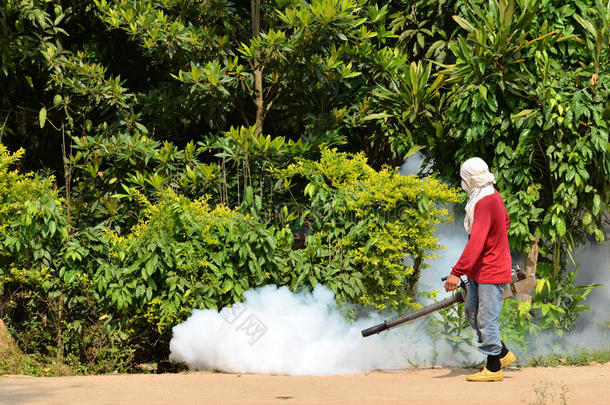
(581, 385)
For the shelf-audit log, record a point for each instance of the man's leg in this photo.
(471, 307)
(506, 356)
(491, 297)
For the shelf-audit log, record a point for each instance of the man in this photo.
(486, 262)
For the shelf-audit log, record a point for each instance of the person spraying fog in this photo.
(486, 262)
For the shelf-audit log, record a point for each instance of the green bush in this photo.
(50, 313)
(32, 231)
(184, 254)
(101, 165)
(363, 223)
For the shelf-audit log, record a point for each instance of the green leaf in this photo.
(597, 201)
(523, 113)
(227, 285)
(413, 150)
(249, 195)
(586, 24)
(540, 283)
(483, 91)
(375, 116)
(463, 23)
(561, 227)
(42, 117)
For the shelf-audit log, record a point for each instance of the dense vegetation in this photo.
(177, 153)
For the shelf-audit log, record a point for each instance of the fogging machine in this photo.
(520, 283)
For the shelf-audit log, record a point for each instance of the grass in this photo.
(580, 357)
(14, 361)
(18, 363)
(22, 364)
(545, 394)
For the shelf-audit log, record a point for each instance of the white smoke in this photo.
(276, 331)
(412, 165)
(594, 268)
(592, 262)
(452, 238)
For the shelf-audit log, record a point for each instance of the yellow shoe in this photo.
(486, 375)
(507, 360)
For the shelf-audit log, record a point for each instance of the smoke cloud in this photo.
(279, 332)
(412, 165)
(592, 262)
(276, 331)
(594, 267)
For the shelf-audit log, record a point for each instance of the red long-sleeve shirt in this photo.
(486, 257)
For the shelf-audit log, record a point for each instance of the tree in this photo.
(537, 115)
(319, 65)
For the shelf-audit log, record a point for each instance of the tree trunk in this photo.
(532, 258)
(531, 262)
(414, 279)
(258, 70)
(60, 340)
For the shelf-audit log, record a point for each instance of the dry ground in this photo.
(579, 385)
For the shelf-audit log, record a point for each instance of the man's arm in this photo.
(480, 228)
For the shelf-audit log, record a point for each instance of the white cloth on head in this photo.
(478, 181)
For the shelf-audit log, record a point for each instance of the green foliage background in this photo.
(176, 147)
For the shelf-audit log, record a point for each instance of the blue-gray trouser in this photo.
(482, 308)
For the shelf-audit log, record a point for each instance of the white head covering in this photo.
(478, 181)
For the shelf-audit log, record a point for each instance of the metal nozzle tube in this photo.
(414, 315)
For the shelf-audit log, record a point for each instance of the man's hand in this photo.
(451, 283)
